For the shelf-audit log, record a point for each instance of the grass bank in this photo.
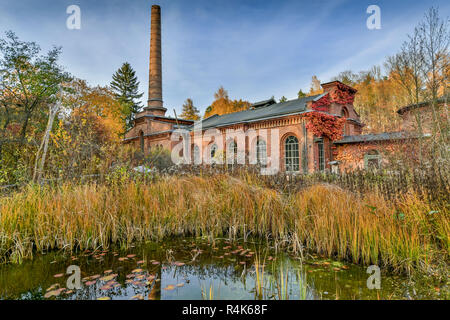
(406, 235)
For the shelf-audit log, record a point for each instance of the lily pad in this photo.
(107, 278)
(169, 287)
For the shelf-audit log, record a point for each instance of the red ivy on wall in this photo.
(322, 104)
(322, 124)
(343, 94)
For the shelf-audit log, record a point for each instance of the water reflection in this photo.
(195, 269)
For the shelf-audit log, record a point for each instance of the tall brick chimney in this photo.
(155, 102)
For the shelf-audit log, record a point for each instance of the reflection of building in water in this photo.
(282, 130)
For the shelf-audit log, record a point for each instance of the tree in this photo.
(223, 105)
(405, 69)
(435, 35)
(29, 82)
(189, 111)
(301, 94)
(38, 170)
(347, 77)
(283, 99)
(87, 135)
(125, 86)
(221, 94)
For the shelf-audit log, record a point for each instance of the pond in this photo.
(198, 269)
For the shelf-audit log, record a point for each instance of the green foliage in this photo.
(301, 94)
(126, 88)
(283, 99)
(158, 158)
(29, 83)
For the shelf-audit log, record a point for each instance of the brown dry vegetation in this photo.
(405, 235)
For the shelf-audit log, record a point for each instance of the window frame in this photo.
(368, 157)
(261, 145)
(321, 155)
(212, 147)
(195, 151)
(292, 154)
(234, 151)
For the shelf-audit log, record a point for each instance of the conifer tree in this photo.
(189, 111)
(125, 87)
(301, 94)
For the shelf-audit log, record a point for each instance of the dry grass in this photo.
(405, 235)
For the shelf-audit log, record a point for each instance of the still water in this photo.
(198, 269)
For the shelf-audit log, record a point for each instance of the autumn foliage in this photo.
(323, 104)
(223, 104)
(343, 94)
(322, 124)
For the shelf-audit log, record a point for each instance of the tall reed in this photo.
(406, 235)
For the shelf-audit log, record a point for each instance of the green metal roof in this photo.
(269, 111)
(384, 136)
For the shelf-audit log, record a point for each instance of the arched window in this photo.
(232, 152)
(372, 160)
(196, 154)
(141, 140)
(291, 156)
(213, 152)
(261, 152)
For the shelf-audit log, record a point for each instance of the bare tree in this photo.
(52, 112)
(435, 37)
(406, 68)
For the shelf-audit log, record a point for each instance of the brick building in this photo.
(274, 134)
(417, 121)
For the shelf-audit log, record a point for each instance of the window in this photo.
(196, 154)
(261, 152)
(232, 152)
(291, 154)
(321, 156)
(141, 140)
(344, 114)
(213, 152)
(372, 160)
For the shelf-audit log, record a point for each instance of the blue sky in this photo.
(255, 49)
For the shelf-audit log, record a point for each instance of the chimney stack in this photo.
(155, 102)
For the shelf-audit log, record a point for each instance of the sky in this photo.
(255, 49)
